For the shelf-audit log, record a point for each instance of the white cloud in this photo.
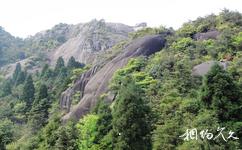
(26, 17)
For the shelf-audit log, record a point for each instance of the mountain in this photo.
(91, 39)
(48, 40)
(152, 88)
(99, 79)
(11, 48)
(86, 42)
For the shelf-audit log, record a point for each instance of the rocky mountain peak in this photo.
(92, 38)
(140, 26)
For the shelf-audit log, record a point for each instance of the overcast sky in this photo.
(26, 17)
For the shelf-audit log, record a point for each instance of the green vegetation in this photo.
(30, 102)
(11, 48)
(131, 126)
(88, 130)
(28, 92)
(6, 133)
(156, 98)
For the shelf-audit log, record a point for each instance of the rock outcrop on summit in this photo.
(95, 82)
(91, 38)
(84, 41)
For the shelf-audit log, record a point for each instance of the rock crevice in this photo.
(66, 96)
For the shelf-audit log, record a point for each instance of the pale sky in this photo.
(27, 17)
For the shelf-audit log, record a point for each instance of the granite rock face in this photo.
(92, 85)
(91, 38)
(67, 95)
(84, 41)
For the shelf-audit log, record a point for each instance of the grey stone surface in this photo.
(203, 68)
(207, 35)
(92, 38)
(98, 83)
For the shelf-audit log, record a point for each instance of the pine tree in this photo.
(6, 133)
(16, 72)
(67, 136)
(104, 122)
(59, 65)
(131, 128)
(44, 70)
(28, 92)
(42, 93)
(21, 78)
(220, 93)
(38, 115)
(7, 89)
(72, 62)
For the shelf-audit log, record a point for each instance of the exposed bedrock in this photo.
(92, 85)
(203, 68)
(207, 35)
(67, 95)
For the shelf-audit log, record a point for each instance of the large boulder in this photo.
(207, 35)
(98, 82)
(203, 68)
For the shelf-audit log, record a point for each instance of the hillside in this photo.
(128, 89)
(98, 82)
(10, 48)
(83, 41)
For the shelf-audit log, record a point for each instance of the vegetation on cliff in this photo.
(157, 99)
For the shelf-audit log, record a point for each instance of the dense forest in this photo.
(159, 103)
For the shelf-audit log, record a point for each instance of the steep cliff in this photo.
(92, 84)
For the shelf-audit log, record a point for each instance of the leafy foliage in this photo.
(28, 92)
(155, 99)
(6, 133)
(220, 93)
(88, 131)
(131, 126)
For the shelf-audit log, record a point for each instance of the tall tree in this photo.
(16, 71)
(59, 64)
(21, 78)
(67, 136)
(43, 92)
(7, 89)
(39, 113)
(71, 62)
(131, 129)
(219, 92)
(28, 92)
(44, 70)
(6, 133)
(87, 128)
(104, 122)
